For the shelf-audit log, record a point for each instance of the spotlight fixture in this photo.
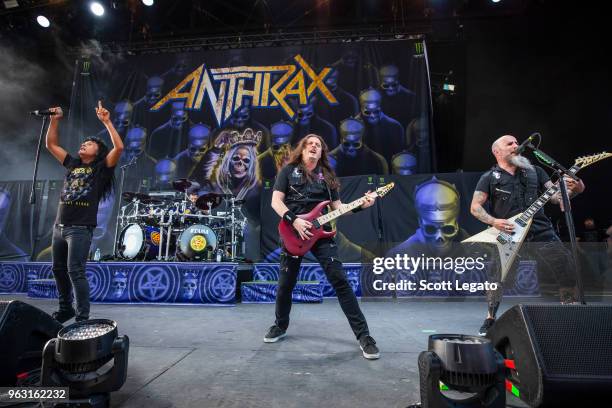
(43, 21)
(89, 358)
(461, 370)
(96, 8)
(495, 1)
(147, 2)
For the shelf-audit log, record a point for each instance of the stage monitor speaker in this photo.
(24, 331)
(562, 353)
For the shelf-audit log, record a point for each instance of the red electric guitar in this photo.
(297, 246)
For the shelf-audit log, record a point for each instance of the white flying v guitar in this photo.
(508, 245)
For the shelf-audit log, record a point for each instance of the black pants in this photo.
(549, 252)
(326, 252)
(70, 246)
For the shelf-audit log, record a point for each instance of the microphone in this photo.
(526, 143)
(45, 112)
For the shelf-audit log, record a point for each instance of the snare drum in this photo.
(138, 242)
(198, 242)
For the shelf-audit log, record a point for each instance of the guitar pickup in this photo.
(316, 224)
(520, 222)
(503, 238)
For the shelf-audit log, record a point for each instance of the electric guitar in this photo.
(297, 246)
(508, 244)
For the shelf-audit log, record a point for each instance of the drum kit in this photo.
(173, 226)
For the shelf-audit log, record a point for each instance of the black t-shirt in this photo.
(302, 195)
(82, 191)
(511, 188)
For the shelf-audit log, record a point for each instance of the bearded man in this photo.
(511, 186)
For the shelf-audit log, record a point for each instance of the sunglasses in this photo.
(389, 85)
(371, 112)
(197, 149)
(356, 145)
(432, 229)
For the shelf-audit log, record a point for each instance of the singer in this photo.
(511, 186)
(89, 178)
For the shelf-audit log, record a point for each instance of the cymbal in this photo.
(184, 184)
(209, 201)
(130, 196)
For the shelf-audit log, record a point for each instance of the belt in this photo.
(72, 225)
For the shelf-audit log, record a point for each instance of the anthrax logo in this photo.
(299, 81)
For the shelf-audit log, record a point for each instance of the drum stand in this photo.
(234, 242)
(121, 184)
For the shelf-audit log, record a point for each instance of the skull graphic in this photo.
(119, 284)
(404, 163)
(437, 203)
(389, 79)
(199, 136)
(190, 284)
(370, 103)
(351, 134)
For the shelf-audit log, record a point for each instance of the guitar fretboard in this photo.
(543, 199)
(332, 215)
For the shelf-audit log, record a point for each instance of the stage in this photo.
(199, 356)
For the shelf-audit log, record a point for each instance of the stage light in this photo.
(448, 87)
(462, 370)
(495, 1)
(43, 21)
(147, 2)
(96, 8)
(89, 358)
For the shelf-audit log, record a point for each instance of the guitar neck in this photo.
(543, 199)
(332, 215)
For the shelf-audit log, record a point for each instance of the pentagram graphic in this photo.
(153, 284)
(220, 284)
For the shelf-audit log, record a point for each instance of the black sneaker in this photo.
(488, 323)
(274, 334)
(368, 347)
(63, 316)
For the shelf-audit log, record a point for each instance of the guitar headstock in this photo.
(381, 191)
(584, 161)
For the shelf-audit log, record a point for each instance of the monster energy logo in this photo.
(225, 88)
(541, 157)
(86, 67)
(419, 48)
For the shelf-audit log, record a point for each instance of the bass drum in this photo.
(138, 242)
(198, 242)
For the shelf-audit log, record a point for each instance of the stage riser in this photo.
(149, 282)
(265, 292)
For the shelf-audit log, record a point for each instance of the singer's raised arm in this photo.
(112, 158)
(52, 140)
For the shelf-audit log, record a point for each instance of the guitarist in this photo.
(511, 187)
(304, 182)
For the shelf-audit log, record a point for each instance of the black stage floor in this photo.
(199, 356)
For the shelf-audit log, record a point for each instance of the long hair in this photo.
(108, 188)
(328, 173)
(223, 176)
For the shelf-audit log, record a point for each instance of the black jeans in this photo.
(70, 249)
(326, 252)
(550, 253)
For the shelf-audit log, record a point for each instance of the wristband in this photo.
(289, 217)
